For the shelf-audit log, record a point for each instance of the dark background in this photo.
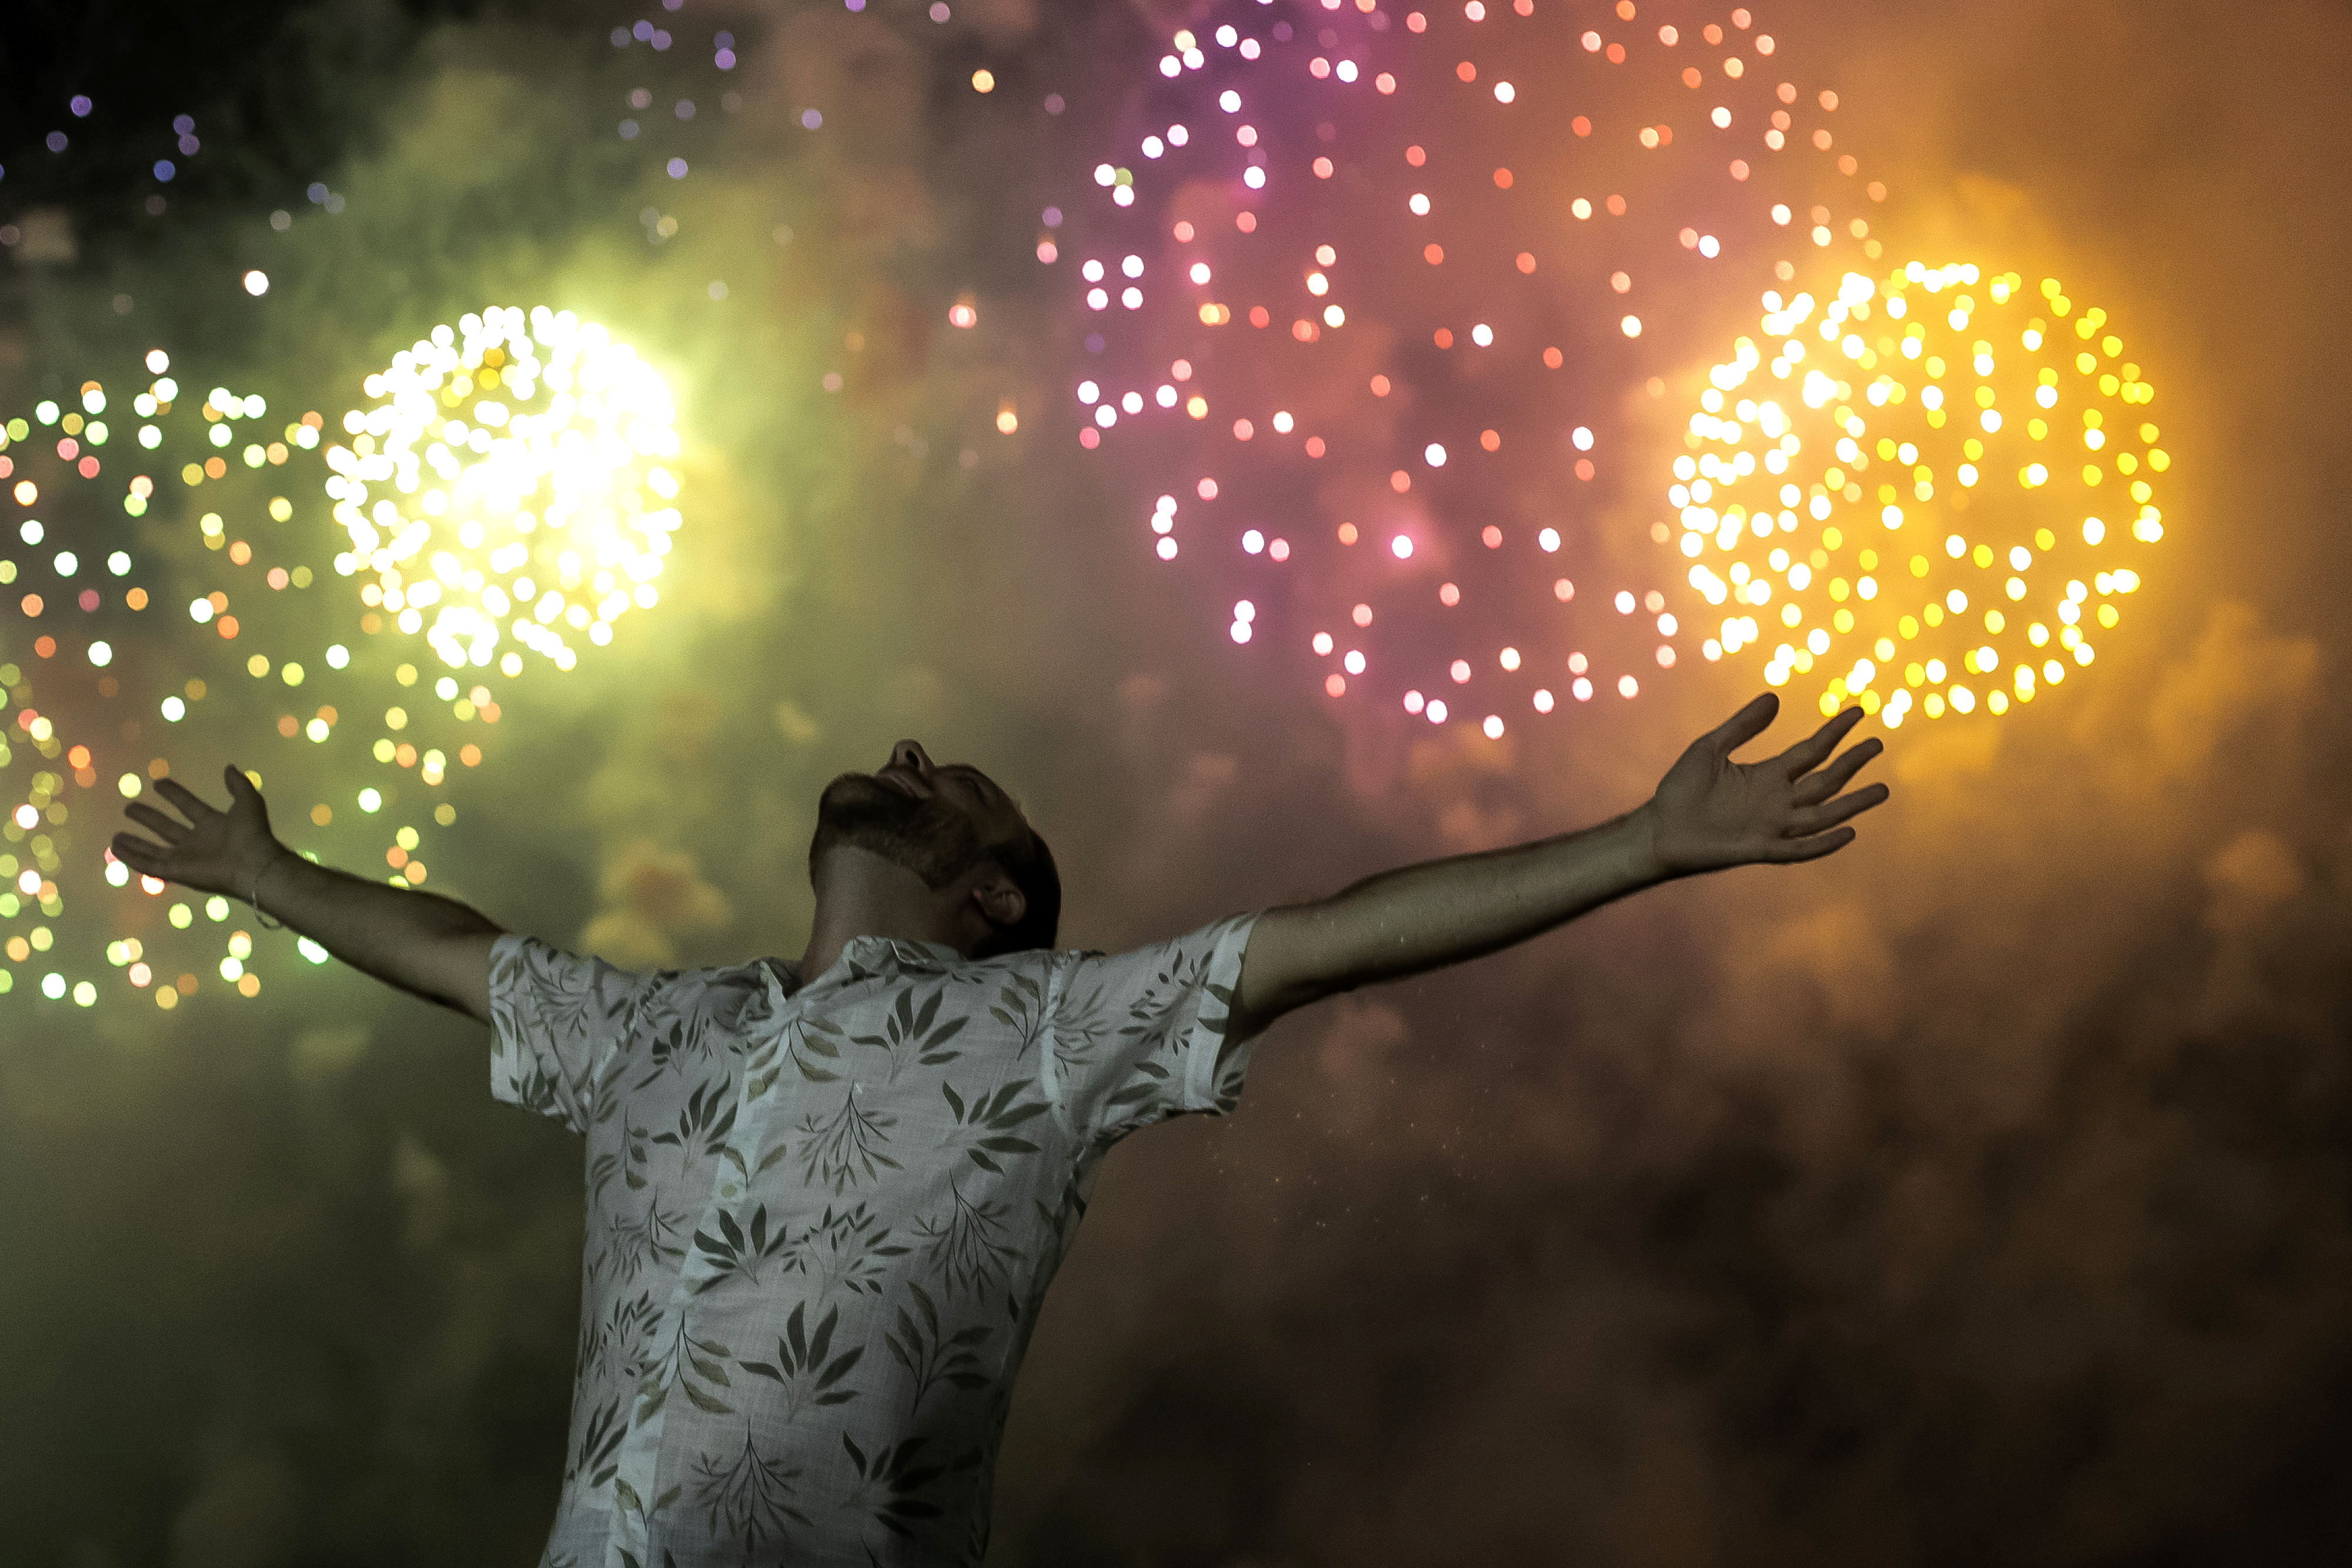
(1978, 1196)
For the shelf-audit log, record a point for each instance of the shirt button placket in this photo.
(641, 1451)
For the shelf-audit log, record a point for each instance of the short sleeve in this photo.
(1139, 1037)
(560, 1021)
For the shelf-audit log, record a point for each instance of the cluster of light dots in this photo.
(95, 682)
(1363, 275)
(1929, 490)
(513, 478)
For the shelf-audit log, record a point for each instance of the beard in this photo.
(930, 838)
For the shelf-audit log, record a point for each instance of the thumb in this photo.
(241, 788)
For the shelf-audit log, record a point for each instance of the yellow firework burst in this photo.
(514, 478)
(1929, 490)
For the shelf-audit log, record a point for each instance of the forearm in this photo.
(426, 945)
(1424, 916)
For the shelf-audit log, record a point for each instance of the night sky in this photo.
(1982, 1195)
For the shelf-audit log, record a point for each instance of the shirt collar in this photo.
(869, 954)
(901, 953)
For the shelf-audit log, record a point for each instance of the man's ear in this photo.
(999, 901)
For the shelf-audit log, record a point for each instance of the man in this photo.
(826, 1197)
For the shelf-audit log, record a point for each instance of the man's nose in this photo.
(910, 754)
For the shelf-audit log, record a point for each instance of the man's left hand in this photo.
(1710, 812)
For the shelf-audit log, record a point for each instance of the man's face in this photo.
(938, 821)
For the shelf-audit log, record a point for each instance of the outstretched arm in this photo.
(426, 945)
(1710, 812)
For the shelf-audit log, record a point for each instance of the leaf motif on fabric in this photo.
(846, 1147)
(971, 1244)
(804, 1366)
(747, 1498)
(709, 1402)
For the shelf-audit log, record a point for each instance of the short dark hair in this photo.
(1030, 864)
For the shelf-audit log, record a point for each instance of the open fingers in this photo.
(169, 829)
(1815, 819)
(1788, 852)
(191, 804)
(140, 854)
(1814, 749)
(1812, 789)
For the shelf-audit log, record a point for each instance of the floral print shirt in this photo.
(822, 1217)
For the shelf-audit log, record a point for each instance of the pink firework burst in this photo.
(1382, 313)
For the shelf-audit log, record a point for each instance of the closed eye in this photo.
(979, 782)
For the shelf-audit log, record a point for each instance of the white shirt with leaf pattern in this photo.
(820, 1220)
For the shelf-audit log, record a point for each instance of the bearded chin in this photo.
(930, 838)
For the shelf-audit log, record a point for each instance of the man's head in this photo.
(988, 879)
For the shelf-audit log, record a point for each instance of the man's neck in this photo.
(861, 893)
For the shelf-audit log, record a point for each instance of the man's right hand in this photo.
(429, 945)
(213, 850)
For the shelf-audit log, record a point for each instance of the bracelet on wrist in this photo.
(261, 915)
